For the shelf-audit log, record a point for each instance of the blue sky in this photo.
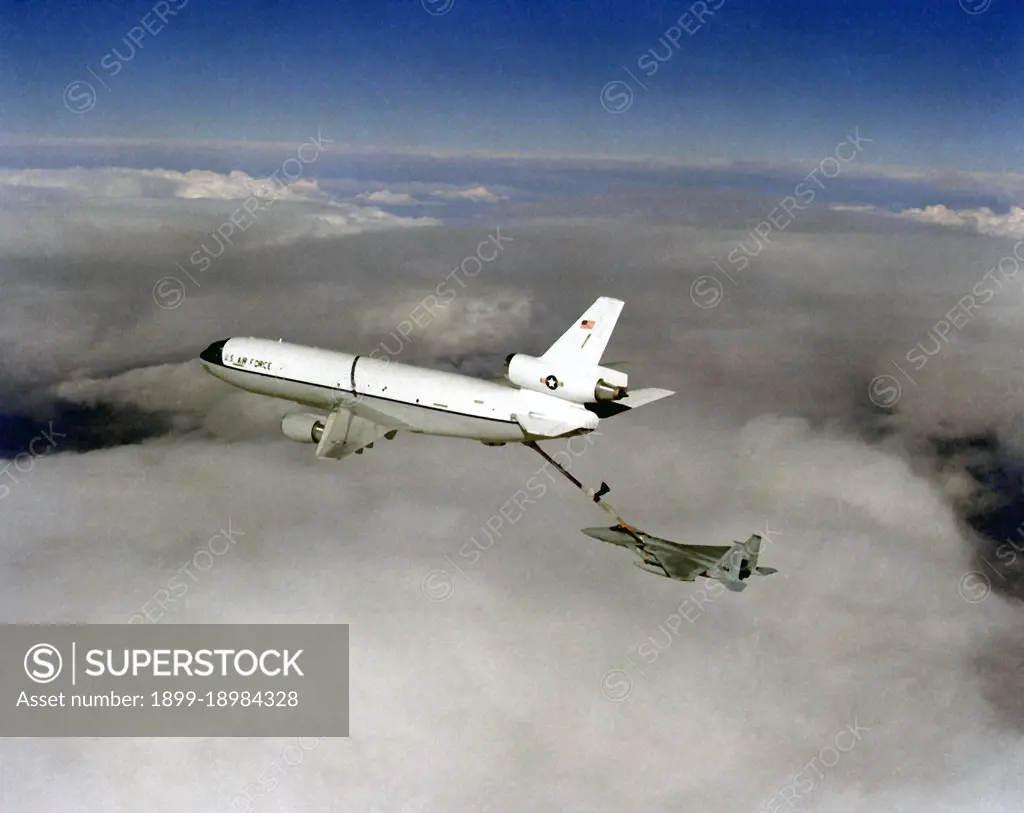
(758, 79)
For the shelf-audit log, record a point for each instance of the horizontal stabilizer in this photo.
(634, 399)
(642, 397)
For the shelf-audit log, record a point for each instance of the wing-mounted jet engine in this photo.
(302, 427)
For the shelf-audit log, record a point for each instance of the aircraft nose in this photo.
(213, 353)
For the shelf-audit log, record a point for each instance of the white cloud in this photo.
(160, 204)
(389, 198)
(862, 604)
(478, 194)
(120, 184)
(980, 221)
(468, 322)
(1008, 186)
(419, 193)
(863, 620)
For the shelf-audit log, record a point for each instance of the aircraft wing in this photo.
(678, 564)
(345, 434)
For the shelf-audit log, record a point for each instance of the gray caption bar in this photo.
(174, 680)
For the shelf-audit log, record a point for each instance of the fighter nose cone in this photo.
(212, 354)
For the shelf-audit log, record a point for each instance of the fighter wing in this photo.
(345, 434)
(679, 564)
(730, 565)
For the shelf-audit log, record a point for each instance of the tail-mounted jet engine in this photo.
(566, 379)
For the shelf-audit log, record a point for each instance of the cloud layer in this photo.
(162, 204)
(554, 674)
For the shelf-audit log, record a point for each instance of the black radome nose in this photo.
(212, 354)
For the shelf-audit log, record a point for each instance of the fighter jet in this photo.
(563, 393)
(732, 564)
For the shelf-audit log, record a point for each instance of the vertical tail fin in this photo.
(739, 563)
(751, 550)
(729, 569)
(586, 340)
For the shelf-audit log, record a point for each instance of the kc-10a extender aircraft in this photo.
(563, 393)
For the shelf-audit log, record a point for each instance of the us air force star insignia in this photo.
(551, 382)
